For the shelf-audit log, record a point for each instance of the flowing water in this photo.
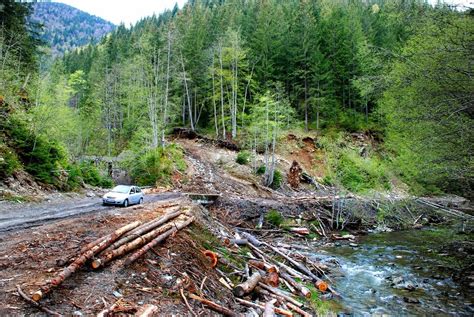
(400, 273)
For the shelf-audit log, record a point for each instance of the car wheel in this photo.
(140, 201)
(125, 203)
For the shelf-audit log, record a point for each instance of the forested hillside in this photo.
(252, 71)
(66, 28)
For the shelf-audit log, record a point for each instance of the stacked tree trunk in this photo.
(133, 239)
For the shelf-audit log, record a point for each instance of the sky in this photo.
(129, 12)
(117, 11)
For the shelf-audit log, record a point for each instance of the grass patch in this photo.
(243, 157)
(274, 217)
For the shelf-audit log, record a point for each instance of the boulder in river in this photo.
(411, 300)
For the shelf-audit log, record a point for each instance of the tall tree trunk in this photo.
(305, 102)
(214, 96)
(165, 112)
(187, 94)
(222, 93)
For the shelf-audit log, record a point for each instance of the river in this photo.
(401, 273)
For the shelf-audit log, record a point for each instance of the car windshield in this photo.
(121, 189)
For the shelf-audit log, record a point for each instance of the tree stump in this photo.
(294, 175)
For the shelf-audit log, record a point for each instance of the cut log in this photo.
(302, 290)
(212, 256)
(137, 232)
(248, 286)
(302, 231)
(215, 307)
(157, 240)
(278, 310)
(321, 285)
(106, 257)
(82, 259)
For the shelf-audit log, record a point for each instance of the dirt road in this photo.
(15, 216)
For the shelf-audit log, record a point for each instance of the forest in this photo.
(251, 71)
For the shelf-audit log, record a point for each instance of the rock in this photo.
(411, 300)
(77, 313)
(90, 194)
(409, 287)
(117, 294)
(354, 245)
(399, 257)
(418, 226)
(397, 280)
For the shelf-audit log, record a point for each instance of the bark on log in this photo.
(251, 239)
(302, 290)
(247, 286)
(229, 242)
(157, 240)
(106, 257)
(82, 259)
(269, 309)
(278, 310)
(137, 232)
(280, 293)
(298, 310)
(302, 231)
(215, 307)
(272, 279)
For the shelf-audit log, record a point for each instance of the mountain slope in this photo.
(66, 27)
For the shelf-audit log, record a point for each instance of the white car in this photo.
(123, 195)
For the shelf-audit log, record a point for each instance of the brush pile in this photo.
(132, 240)
(273, 281)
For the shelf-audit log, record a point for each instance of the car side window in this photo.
(138, 189)
(132, 191)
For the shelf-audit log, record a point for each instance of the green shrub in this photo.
(361, 174)
(157, 166)
(87, 173)
(261, 170)
(42, 158)
(274, 217)
(8, 161)
(277, 180)
(243, 157)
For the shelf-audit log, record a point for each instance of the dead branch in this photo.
(215, 307)
(35, 304)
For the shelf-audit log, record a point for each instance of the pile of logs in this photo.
(133, 239)
(273, 276)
